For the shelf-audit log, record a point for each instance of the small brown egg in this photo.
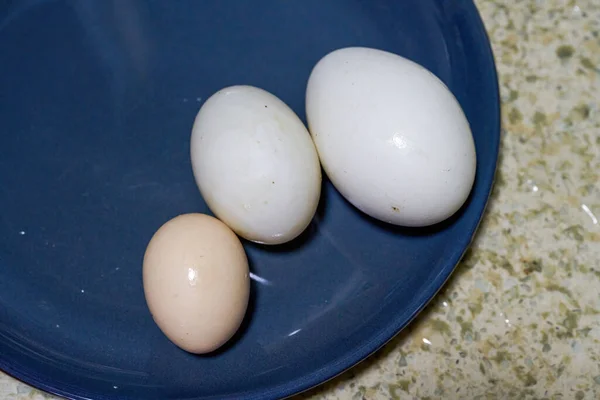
(196, 282)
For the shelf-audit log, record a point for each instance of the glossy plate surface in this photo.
(97, 100)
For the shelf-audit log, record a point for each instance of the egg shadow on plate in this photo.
(307, 235)
(300, 241)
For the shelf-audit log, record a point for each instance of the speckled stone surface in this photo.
(520, 318)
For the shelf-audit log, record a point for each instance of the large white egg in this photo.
(391, 136)
(255, 164)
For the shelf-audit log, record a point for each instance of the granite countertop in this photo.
(520, 317)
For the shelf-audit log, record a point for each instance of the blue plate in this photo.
(97, 100)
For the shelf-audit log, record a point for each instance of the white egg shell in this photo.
(391, 136)
(255, 164)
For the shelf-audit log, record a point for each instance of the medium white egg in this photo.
(255, 164)
(391, 136)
